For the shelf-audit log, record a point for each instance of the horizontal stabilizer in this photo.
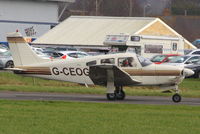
(15, 69)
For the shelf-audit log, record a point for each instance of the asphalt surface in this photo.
(154, 100)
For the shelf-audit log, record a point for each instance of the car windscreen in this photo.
(179, 59)
(5, 54)
(144, 61)
(80, 55)
(158, 58)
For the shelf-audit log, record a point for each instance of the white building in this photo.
(32, 18)
(92, 31)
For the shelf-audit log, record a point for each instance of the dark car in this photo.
(196, 68)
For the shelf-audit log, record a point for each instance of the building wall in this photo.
(29, 11)
(158, 29)
(31, 18)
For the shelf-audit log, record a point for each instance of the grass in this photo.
(12, 82)
(47, 117)
(57, 117)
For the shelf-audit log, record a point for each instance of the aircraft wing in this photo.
(99, 75)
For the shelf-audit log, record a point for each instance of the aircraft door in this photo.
(147, 71)
(131, 66)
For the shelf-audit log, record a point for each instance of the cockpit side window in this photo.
(127, 62)
(91, 63)
(108, 61)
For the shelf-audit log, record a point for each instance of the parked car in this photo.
(2, 50)
(66, 54)
(6, 60)
(161, 58)
(37, 49)
(194, 52)
(184, 60)
(196, 68)
(60, 49)
(2, 46)
(65, 49)
(72, 54)
(42, 55)
(53, 54)
(39, 52)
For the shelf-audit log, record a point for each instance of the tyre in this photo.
(111, 96)
(9, 64)
(120, 94)
(176, 98)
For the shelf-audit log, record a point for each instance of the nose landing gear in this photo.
(176, 97)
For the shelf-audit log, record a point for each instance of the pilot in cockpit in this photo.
(129, 62)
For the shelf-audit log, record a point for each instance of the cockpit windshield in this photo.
(144, 61)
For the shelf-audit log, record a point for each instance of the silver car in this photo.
(184, 60)
(6, 60)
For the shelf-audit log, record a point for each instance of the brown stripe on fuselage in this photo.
(16, 40)
(34, 70)
(167, 72)
(140, 72)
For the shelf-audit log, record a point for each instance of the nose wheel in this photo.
(176, 98)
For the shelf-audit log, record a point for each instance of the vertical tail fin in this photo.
(21, 51)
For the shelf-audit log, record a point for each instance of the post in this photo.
(96, 7)
(185, 12)
(144, 9)
(131, 7)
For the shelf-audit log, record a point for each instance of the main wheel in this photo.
(120, 94)
(9, 64)
(176, 98)
(111, 96)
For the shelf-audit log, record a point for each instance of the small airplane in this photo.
(113, 71)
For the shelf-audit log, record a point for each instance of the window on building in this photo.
(174, 46)
(153, 48)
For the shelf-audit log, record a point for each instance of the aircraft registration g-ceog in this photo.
(112, 70)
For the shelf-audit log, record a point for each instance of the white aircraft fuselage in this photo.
(77, 70)
(112, 70)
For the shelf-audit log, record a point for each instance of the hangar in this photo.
(90, 31)
(32, 18)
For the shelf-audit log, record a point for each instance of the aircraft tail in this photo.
(21, 51)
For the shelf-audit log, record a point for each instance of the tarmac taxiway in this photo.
(153, 100)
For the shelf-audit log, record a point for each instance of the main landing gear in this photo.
(118, 94)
